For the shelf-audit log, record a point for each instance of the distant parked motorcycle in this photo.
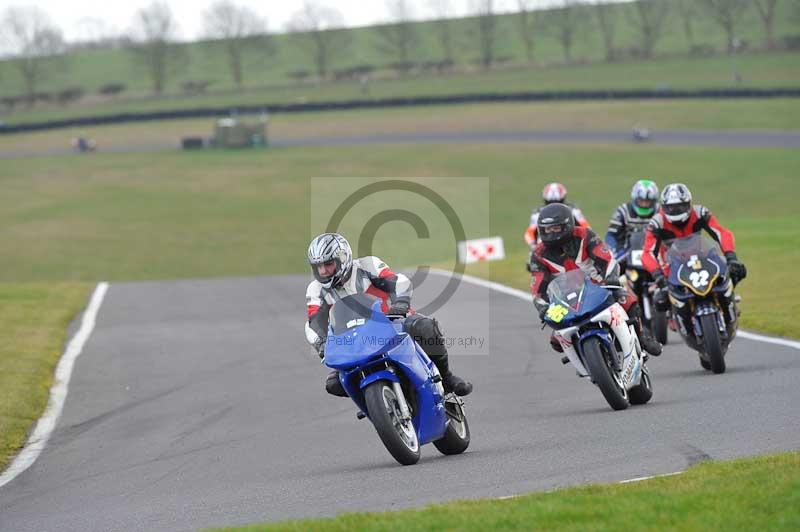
(392, 381)
(701, 294)
(641, 282)
(598, 338)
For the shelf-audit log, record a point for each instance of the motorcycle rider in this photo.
(566, 247)
(337, 274)
(552, 193)
(633, 215)
(679, 217)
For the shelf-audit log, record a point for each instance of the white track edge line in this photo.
(58, 392)
(527, 297)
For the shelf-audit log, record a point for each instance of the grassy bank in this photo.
(34, 319)
(777, 69)
(750, 494)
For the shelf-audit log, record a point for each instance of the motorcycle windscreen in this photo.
(695, 262)
(358, 331)
(573, 296)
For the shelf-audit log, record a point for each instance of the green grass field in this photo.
(750, 494)
(34, 319)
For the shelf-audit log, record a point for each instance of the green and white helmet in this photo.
(644, 196)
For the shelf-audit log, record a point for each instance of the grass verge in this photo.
(760, 493)
(34, 319)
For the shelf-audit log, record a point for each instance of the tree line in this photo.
(318, 31)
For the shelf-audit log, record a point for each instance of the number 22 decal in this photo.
(699, 279)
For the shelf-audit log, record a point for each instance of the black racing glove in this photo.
(736, 269)
(319, 346)
(399, 308)
(659, 278)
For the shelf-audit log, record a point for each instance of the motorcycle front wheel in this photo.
(398, 435)
(712, 343)
(603, 375)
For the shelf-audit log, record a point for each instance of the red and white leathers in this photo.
(661, 230)
(585, 251)
(531, 233)
(369, 275)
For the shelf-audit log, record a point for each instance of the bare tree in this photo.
(687, 10)
(766, 10)
(606, 15)
(486, 22)
(528, 25)
(565, 22)
(443, 25)
(239, 30)
(153, 44)
(727, 13)
(318, 30)
(649, 17)
(35, 45)
(399, 37)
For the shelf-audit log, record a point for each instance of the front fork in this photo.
(405, 412)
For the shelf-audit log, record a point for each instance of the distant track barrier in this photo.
(494, 97)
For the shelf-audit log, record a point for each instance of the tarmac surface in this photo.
(741, 139)
(198, 403)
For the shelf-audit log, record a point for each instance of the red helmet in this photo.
(554, 193)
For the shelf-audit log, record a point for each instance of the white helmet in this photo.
(676, 202)
(554, 193)
(329, 247)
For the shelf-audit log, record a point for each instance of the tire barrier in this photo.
(493, 97)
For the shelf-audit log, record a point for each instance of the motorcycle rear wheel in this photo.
(712, 343)
(598, 366)
(399, 437)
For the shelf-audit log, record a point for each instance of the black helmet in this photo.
(556, 223)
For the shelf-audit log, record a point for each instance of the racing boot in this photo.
(649, 343)
(454, 383)
(333, 385)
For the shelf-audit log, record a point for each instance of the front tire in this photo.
(712, 343)
(456, 436)
(643, 392)
(399, 437)
(597, 364)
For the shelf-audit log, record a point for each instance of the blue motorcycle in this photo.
(392, 381)
(598, 338)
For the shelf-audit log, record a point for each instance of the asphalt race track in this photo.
(198, 403)
(735, 139)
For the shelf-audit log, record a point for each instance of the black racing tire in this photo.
(402, 446)
(658, 324)
(456, 436)
(643, 392)
(712, 343)
(597, 365)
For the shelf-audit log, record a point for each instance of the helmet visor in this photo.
(677, 209)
